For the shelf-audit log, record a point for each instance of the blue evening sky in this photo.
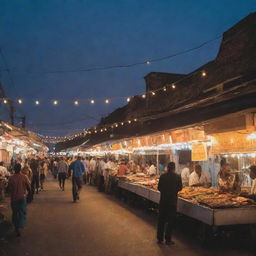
(37, 36)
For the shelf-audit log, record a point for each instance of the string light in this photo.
(164, 88)
(5, 101)
(148, 62)
(20, 101)
(37, 102)
(76, 102)
(203, 73)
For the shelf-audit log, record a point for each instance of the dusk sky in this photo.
(40, 36)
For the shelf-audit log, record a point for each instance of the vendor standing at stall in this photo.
(228, 181)
(185, 173)
(253, 177)
(152, 170)
(199, 178)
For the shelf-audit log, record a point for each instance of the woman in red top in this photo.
(122, 170)
(19, 184)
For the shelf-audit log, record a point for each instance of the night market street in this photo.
(98, 225)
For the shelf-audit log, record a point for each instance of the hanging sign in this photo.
(199, 151)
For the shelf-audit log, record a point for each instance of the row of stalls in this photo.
(231, 137)
(17, 144)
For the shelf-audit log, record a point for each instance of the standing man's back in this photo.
(169, 185)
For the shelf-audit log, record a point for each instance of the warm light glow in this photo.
(55, 102)
(164, 89)
(37, 102)
(95, 131)
(101, 130)
(144, 96)
(20, 101)
(153, 93)
(92, 101)
(76, 102)
(128, 99)
(203, 73)
(116, 125)
(129, 121)
(173, 86)
(5, 101)
(135, 119)
(105, 129)
(122, 123)
(106, 101)
(148, 62)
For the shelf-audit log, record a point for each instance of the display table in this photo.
(207, 215)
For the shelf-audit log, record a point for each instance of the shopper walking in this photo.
(18, 184)
(169, 185)
(92, 169)
(34, 165)
(26, 170)
(43, 169)
(62, 173)
(77, 169)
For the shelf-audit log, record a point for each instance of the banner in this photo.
(199, 151)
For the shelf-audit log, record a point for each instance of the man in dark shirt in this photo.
(169, 185)
(34, 165)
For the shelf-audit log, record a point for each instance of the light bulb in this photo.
(92, 101)
(144, 96)
(173, 86)
(128, 99)
(76, 102)
(203, 73)
(106, 101)
(55, 102)
(37, 102)
(20, 101)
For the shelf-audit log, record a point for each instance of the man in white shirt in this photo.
(152, 170)
(185, 173)
(199, 177)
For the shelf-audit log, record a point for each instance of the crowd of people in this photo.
(25, 178)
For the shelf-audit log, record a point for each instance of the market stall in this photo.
(205, 205)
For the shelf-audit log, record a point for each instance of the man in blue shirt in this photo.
(78, 169)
